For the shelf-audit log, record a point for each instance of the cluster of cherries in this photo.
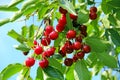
(93, 14)
(73, 43)
(41, 49)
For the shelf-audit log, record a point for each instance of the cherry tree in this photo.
(75, 39)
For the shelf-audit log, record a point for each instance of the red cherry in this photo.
(84, 33)
(67, 43)
(80, 55)
(62, 20)
(45, 54)
(60, 27)
(51, 51)
(86, 48)
(35, 42)
(26, 53)
(49, 29)
(30, 62)
(83, 28)
(62, 53)
(92, 16)
(77, 45)
(44, 63)
(62, 11)
(75, 58)
(68, 61)
(69, 49)
(38, 50)
(53, 35)
(79, 39)
(71, 34)
(45, 41)
(63, 49)
(74, 17)
(93, 9)
(45, 34)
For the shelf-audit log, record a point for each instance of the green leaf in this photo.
(16, 36)
(31, 31)
(104, 76)
(69, 22)
(70, 73)
(115, 3)
(14, 3)
(27, 3)
(81, 1)
(68, 6)
(4, 21)
(83, 17)
(91, 59)
(118, 15)
(29, 78)
(22, 47)
(15, 16)
(30, 9)
(52, 72)
(112, 20)
(10, 70)
(114, 36)
(97, 68)
(43, 9)
(24, 31)
(39, 75)
(54, 63)
(52, 79)
(106, 7)
(25, 71)
(90, 2)
(107, 60)
(6, 8)
(81, 72)
(106, 22)
(96, 44)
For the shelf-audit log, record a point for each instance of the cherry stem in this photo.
(38, 29)
(33, 19)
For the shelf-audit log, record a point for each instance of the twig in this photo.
(38, 29)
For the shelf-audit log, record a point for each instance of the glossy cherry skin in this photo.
(62, 20)
(79, 39)
(35, 42)
(80, 55)
(86, 48)
(75, 58)
(51, 51)
(92, 16)
(71, 34)
(49, 29)
(68, 61)
(45, 41)
(44, 63)
(77, 45)
(53, 35)
(60, 27)
(30, 62)
(74, 17)
(62, 11)
(93, 9)
(83, 28)
(38, 50)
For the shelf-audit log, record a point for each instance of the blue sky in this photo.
(8, 54)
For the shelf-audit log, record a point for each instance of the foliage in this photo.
(103, 38)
